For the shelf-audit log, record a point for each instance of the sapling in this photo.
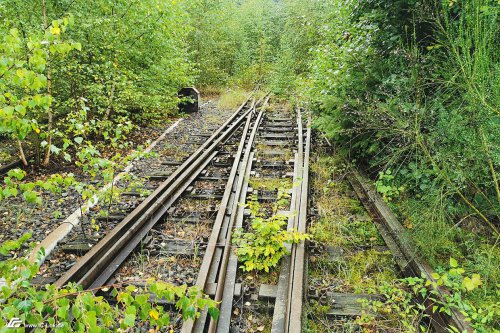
(262, 247)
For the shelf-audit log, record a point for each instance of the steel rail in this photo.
(230, 280)
(210, 252)
(289, 287)
(221, 230)
(297, 282)
(287, 314)
(224, 284)
(280, 314)
(135, 235)
(89, 268)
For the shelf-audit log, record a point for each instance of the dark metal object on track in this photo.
(194, 95)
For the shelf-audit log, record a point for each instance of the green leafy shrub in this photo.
(265, 243)
(131, 60)
(24, 99)
(14, 185)
(384, 186)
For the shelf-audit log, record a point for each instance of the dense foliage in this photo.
(234, 42)
(411, 87)
(410, 90)
(88, 69)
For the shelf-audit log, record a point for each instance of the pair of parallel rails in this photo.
(218, 271)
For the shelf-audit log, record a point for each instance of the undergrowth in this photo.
(399, 309)
(353, 257)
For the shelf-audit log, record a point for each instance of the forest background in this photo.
(406, 89)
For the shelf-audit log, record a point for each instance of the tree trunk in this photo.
(46, 160)
(110, 104)
(21, 153)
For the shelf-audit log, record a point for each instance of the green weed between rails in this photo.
(72, 309)
(269, 184)
(262, 247)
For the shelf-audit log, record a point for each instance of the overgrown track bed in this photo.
(182, 233)
(144, 176)
(358, 246)
(256, 167)
(98, 266)
(272, 173)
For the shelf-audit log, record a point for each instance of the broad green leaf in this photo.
(453, 263)
(213, 312)
(129, 320)
(54, 149)
(30, 196)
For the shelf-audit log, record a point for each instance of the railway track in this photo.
(206, 191)
(97, 267)
(251, 144)
(183, 231)
(367, 240)
(271, 140)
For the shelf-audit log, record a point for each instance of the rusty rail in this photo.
(219, 262)
(288, 307)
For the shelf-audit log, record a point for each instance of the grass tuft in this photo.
(231, 99)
